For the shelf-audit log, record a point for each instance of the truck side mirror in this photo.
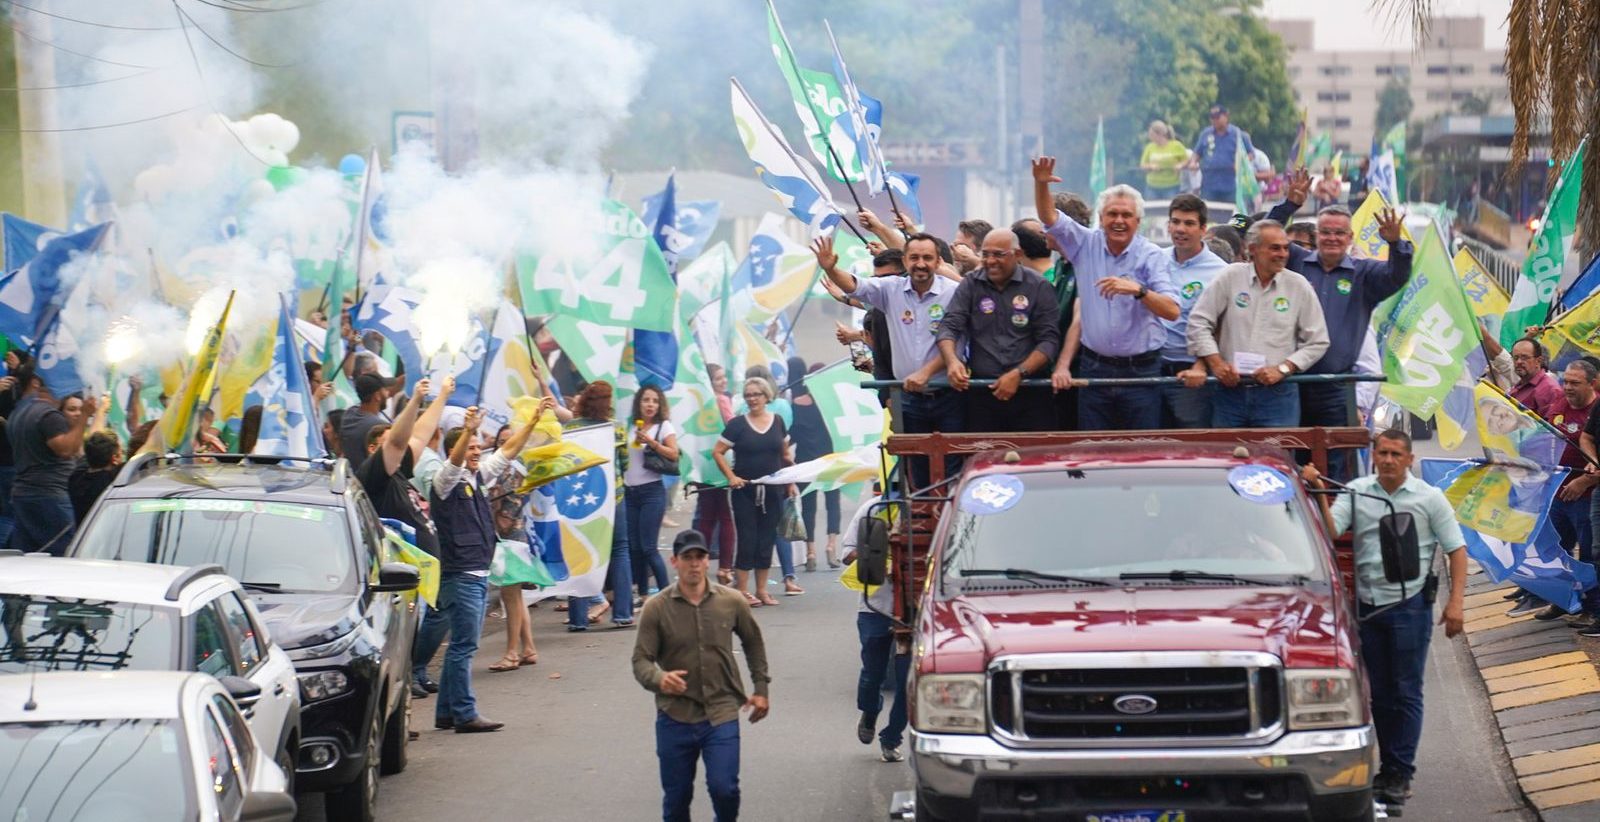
(1397, 539)
(872, 551)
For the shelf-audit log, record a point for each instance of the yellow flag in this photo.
(175, 432)
(246, 366)
(1364, 224)
(1488, 299)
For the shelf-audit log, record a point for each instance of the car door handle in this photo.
(277, 690)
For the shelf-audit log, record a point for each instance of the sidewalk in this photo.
(1545, 692)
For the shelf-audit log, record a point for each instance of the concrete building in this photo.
(1339, 89)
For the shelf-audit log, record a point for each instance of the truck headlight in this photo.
(1323, 698)
(323, 684)
(951, 703)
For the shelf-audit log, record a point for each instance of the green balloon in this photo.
(281, 177)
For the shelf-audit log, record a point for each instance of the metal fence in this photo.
(1505, 269)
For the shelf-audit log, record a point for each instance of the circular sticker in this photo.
(986, 305)
(1019, 302)
(1192, 290)
(1242, 299)
(907, 317)
(1019, 320)
(1281, 304)
(1343, 285)
(991, 495)
(1261, 484)
(936, 312)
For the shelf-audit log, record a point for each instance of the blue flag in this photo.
(661, 215)
(92, 204)
(470, 366)
(387, 310)
(1540, 566)
(687, 231)
(24, 239)
(1575, 293)
(57, 356)
(655, 353)
(287, 421)
(904, 187)
(31, 295)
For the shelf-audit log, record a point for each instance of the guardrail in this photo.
(1125, 382)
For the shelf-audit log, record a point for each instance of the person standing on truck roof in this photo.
(1395, 631)
(1349, 290)
(1124, 292)
(914, 306)
(1007, 315)
(1258, 320)
(1192, 268)
(1214, 156)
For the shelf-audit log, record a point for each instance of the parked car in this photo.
(79, 614)
(170, 745)
(303, 540)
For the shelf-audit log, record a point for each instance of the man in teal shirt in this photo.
(1395, 630)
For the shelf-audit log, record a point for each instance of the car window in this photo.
(244, 640)
(244, 743)
(227, 778)
(277, 546)
(371, 536)
(96, 769)
(211, 643)
(68, 634)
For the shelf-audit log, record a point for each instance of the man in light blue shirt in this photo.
(1120, 315)
(1192, 267)
(1395, 631)
(1213, 155)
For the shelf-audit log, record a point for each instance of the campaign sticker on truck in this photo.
(1261, 484)
(231, 506)
(991, 494)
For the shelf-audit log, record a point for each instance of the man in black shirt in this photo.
(45, 444)
(386, 472)
(373, 391)
(1010, 318)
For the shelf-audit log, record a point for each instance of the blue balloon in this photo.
(352, 165)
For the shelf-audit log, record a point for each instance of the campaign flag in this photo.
(775, 273)
(1512, 434)
(694, 413)
(595, 350)
(1488, 299)
(56, 352)
(31, 295)
(862, 132)
(516, 563)
(175, 432)
(700, 282)
(1300, 149)
(1098, 179)
(1394, 145)
(510, 373)
(819, 101)
(788, 175)
(401, 539)
(1458, 413)
(1321, 152)
(333, 347)
(853, 413)
(1364, 227)
(287, 418)
(24, 240)
(1541, 271)
(572, 518)
(656, 352)
(831, 471)
(1381, 174)
(387, 309)
(1246, 188)
(904, 185)
(618, 277)
(1425, 331)
(370, 250)
(1583, 286)
(682, 228)
(1540, 565)
(247, 355)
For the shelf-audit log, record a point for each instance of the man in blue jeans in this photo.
(875, 627)
(684, 655)
(44, 445)
(1397, 621)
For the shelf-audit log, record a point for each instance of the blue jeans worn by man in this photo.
(1181, 406)
(1394, 646)
(942, 410)
(8, 473)
(877, 646)
(679, 746)
(41, 523)
(1331, 405)
(1255, 406)
(1118, 409)
(463, 598)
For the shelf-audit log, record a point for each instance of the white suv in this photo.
(95, 615)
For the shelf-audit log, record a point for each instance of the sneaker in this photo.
(1592, 630)
(865, 727)
(1525, 607)
(1584, 622)
(419, 692)
(1396, 792)
(1550, 613)
(892, 753)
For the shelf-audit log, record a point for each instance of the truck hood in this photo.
(1303, 626)
(301, 620)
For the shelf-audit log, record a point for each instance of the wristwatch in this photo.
(1284, 369)
(1143, 290)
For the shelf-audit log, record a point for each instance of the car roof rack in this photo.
(144, 462)
(190, 575)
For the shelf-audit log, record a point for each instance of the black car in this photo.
(302, 538)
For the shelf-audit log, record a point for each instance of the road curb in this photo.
(1544, 692)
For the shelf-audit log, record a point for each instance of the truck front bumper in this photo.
(1325, 773)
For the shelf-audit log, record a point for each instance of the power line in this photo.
(230, 5)
(218, 43)
(200, 75)
(84, 83)
(35, 38)
(103, 125)
(89, 22)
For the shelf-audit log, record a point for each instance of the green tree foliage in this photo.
(1394, 103)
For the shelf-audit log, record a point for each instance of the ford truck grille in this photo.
(1194, 703)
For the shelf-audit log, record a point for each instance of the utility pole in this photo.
(43, 189)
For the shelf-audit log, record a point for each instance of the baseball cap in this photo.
(689, 540)
(1218, 109)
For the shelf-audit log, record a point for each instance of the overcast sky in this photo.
(1352, 24)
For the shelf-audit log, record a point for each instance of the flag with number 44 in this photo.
(616, 276)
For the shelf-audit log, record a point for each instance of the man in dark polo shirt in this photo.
(1008, 316)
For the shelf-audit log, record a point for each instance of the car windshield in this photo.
(275, 545)
(68, 634)
(1103, 523)
(95, 769)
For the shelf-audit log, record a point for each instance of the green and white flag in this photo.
(1246, 189)
(695, 414)
(855, 418)
(615, 277)
(831, 472)
(1541, 271)
(595, 350)
(817, 99)
(1098, 180)
(700, 282)
(1426, 331)
(515, 564)
(1395, 140)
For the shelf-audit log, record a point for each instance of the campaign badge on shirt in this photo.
(1242, 299)
(1019, 319)
(936, 312)
(907, 317)
(986, 305)
(1343, 285)
(1019, 302)
(1191, 290)
(1281, 304)
(1261, 484)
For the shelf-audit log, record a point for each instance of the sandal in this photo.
(792, 588)
(595, 615)
(811, 562)
(751, 598)
(768, 599)
(506, 663)
(724, 576)
(530, 659)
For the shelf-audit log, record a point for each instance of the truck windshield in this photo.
(265, 545)
(1103, 523)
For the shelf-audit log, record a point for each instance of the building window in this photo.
(1498, 69)
(1333, 71)
(1333, 96)
(1438, 71)
(1392, 70)
(1461, 70)
(1437, 96)
(1333, 122)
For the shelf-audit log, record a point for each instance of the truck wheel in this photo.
(924, 810)
(397, 735)
(358, 801)
(285, 761)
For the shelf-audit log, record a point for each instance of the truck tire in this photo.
(397, 735)
(358, 801)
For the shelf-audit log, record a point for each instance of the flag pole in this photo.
(822, 128)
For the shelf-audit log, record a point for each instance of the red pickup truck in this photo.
(1128, 628)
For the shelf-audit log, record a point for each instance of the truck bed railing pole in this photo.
(1123, 382)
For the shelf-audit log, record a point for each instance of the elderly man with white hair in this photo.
(1119, 317)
